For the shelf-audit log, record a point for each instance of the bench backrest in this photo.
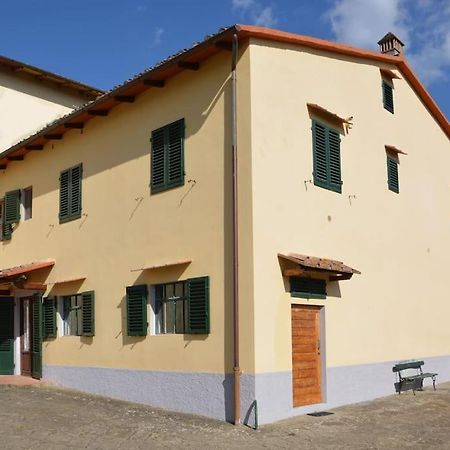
(407, 365)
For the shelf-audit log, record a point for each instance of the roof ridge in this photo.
(52, 77)
(192, 57)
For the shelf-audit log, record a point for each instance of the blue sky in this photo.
(104, 42)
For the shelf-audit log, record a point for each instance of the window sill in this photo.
(157, 189)
(70, 218)
(308, 296)
(328, 188)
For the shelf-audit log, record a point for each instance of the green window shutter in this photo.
(158, 160)
(308, 287)
(175, 156)
(334, 161)
(64, 205)
(167, 157)
(12, 207)
(49, 318)
(198, 306)
(75, 190)
(320, 155)
(392, 172)
(6, 232)
(70, 193)
(388, 97)
(88, 313)
(6, 228)
(36, 336)
(137, 310)
(326, 157)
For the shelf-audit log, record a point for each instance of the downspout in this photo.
(236, 363)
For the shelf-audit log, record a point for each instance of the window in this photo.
(78, 314)
(28, 203)
(308, 287)
(171, 308)
(179, 307)
(167, 155)
(70, 194)
(388, 96)
(327, 157)
(392, 172)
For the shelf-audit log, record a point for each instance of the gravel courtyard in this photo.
(47, 417)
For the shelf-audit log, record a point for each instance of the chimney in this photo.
(391, 45)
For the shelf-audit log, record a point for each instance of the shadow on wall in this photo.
(120, 143)
(69, 288)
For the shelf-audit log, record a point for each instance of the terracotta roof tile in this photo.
(25, 268)
(313, 262)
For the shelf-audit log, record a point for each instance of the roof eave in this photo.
(202, 51)
(53, 78)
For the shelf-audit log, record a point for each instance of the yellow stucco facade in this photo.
(124, 228)
(395, 309)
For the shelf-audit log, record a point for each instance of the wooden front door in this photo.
(306, 372)
(6, 336)
(25, 335)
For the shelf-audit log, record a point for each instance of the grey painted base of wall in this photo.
(206, 394)
(211, 395)
(343, 385)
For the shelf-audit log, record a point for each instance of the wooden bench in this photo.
(410, 376)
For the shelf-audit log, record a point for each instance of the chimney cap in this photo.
(388, 37)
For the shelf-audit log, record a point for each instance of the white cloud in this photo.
(255, 12)
(364, 23)
(157, 36)
(265, 17)
(141, 8)
(244, 4)
(423, 25)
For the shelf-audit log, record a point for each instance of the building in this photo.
(31, 97)
(340, 206)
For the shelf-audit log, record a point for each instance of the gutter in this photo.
(236, 362)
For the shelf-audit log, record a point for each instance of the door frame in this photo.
(21, 300)
(323, 351)
(18, 295)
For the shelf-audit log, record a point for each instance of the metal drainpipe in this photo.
(236, 366)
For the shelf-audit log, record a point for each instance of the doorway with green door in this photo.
(6, 335)
(25, 333)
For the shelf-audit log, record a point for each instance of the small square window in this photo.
(308, 287)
